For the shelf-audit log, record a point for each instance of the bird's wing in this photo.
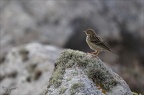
(98, 41)
(103, 45)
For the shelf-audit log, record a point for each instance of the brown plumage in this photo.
(95, 42)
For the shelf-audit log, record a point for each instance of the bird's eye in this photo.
(88, 32)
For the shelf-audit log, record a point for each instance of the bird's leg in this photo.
(96, 53)
(93, 52)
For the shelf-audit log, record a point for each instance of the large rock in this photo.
(26, 70)
(78, 73)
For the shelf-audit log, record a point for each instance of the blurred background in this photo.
(120, 23)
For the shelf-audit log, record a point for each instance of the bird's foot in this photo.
(93, 53)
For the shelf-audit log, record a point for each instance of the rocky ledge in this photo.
(78, 73)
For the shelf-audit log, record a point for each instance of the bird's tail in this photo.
(113, 53)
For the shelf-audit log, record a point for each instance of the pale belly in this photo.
(93, 46)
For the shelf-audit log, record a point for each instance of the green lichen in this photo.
(68, 79)
(74, 73)
(93, 67)
(75, 87)
(62, 90)
(24, 54)
(102, 77)
(57, 77)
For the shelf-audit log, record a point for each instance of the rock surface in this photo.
(77, 73)
(27, 69)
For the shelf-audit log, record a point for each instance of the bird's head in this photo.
(89, 32)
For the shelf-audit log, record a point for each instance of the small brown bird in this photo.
(95, 42)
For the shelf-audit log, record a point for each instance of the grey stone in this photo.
(78, 73)
(27, 69)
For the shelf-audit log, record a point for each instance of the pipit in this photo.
(95, 42)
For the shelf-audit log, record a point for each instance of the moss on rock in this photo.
(75, 87)
(94, 68)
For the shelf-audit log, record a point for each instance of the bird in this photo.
(96, 43)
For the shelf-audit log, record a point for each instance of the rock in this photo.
(78, 73)
(27, 69)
